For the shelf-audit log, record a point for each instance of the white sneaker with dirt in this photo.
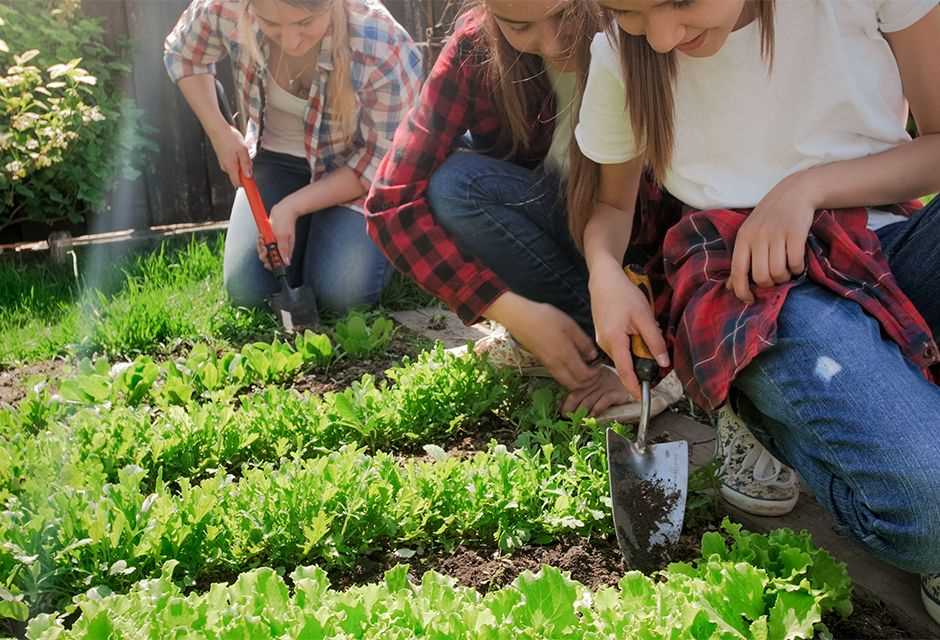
(503, 352)
(751, 478)
(930, 593)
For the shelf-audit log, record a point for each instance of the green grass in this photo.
(153, 302)
(148, 303)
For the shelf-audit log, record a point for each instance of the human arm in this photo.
(191, 51)
(620, 309)
(770, 248)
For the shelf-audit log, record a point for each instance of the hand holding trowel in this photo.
(296, 306)
(648, 482)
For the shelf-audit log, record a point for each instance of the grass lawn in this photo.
(132, 304)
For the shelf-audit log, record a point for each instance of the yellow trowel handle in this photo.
(644, 363)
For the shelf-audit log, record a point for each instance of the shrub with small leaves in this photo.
(66, 133)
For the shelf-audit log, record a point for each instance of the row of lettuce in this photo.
(108, 476)
(763, 587)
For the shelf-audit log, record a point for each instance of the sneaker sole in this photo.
(758, 506)
(931, 605)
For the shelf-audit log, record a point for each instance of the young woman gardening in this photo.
(470, 204)
(796, 285)
(323, 84)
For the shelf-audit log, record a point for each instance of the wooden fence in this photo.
(182, 182)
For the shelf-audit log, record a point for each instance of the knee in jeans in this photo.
(340, 302)
(924, 512)
(916, 539)
(447, 194)
(241, 294)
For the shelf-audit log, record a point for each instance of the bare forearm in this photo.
(901, 174)
(607, 236)
(199, 92)
(336, 188)
(608, 231)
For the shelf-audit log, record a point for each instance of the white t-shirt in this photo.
(834, 93)
(565, 85)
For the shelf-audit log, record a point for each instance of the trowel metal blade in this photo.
(648, 491)
(297, 308)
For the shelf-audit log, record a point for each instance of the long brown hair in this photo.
(519, 80)
(342, 95)
(649, 78)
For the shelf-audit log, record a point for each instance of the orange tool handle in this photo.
(638, 277)
(255, 203)
(258, 212)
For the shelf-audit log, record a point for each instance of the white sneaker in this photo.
(930, 594)
(751, 478)
(503, 352)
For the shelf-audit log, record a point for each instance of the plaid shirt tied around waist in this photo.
(714, 336)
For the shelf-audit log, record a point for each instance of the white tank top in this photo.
(283, 121)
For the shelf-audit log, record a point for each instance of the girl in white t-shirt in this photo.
(796, 286)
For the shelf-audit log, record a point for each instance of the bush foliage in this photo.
(65, 128)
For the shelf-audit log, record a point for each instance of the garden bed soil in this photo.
(343, 372)
(13, 382)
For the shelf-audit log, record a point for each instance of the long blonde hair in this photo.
(650, 85)
(343, 102)
(519, 80)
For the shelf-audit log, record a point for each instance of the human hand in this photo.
(284, 224)
(607, 391)
(551, 336)
(621, 310)
(232, 151)
(770, 247)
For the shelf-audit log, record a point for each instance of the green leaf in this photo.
(548, 602)
(793, 616)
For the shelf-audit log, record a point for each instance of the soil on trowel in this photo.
(649, 503)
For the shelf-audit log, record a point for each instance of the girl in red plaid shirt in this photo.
(323, 84)
(795, 288)
(470, 200)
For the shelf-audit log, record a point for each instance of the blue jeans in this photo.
(837, 401)
(513, 220)
(332, 251)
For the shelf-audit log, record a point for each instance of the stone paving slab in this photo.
(442, 325)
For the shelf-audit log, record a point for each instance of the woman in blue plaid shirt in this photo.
(322, 86)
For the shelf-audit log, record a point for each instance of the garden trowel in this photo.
(648, 482)
(296, 306)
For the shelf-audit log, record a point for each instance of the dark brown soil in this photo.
(489, 427)
(13, 381)
(869, 621)
(595, 563)
(343, 372)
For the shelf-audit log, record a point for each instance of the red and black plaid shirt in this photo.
(714, 335)
(455, 100)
